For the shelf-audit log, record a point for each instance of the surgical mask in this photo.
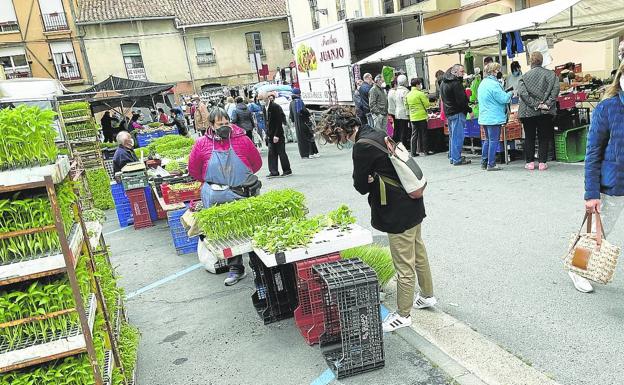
(499, 75)
(621, 56)
(348, 144)
(224, 132)
(622, 83)
(383, 85)
(131, 143)
(516, 73)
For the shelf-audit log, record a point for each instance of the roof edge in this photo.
(182, 26)
(172, 17)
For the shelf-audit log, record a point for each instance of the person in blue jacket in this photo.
(493, 102)
(604, 164)
(256, 108)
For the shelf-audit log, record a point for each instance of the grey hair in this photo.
(122, 136)
(378, 78)
(367, 76)
(492, 69)
(455, 69)
(217, 113)
(402, 80)
(537, 59)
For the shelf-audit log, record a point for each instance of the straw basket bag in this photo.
(590, 255)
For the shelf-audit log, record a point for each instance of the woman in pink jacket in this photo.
(225, 160)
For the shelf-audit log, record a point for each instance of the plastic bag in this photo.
(206, 258)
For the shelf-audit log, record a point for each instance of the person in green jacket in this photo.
(417, 103)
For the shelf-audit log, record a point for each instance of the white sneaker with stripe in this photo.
(394, 321)
(423, 303)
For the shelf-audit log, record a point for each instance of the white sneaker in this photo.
(394, 321)
(423, 303)
(581, 284)
(317, 155)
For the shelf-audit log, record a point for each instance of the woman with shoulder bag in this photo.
(604, 179)
(392, 210)
(300, 115)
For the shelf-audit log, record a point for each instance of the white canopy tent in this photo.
(589, 20)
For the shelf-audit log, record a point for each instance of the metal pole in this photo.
(257, 69)
(188, 61)
(500, 60)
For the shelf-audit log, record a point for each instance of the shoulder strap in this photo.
(374, 144)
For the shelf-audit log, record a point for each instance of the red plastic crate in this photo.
(581, 96)
(140, 210)
(309, 315)
(567, 101)
(179, 196)
(435, 123)
(160, 213)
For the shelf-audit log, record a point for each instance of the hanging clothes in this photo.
(512, 43)
(469, 63)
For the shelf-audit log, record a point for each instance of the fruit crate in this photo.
(180, 196)
(310, 315)
(181, 241)
(145, 138)
(140, 211)
(570, 145)
(353, 339)
(275, 298)
(151, 204)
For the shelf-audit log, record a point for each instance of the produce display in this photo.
(289, 233)
(71, 370)
(242, 218)
(27, 137)
(175, 166)
(21, 213)
(99, 185)
(129, 337)
(30, 299)
(171, 146)
(377, 257)
(94, 215)
(74, 106)
(189, 186)
(81, 130)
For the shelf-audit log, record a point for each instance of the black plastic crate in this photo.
(221, 266)
(275, 298)
(353, 339)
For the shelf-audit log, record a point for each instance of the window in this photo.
(254, 43)
(133, 61)
(14, 62)
(407, 3)
(286, 40)
(205, 53)
(388, 6)
(8, 20)
(53, 15)
(65, 60)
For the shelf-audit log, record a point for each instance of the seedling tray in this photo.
(57, 171)
(325, 242)
(225, 249)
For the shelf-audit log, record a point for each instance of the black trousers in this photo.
(400, 127)
(543, 127)
(419, 137)
(109, 136)
(235, 264)
(250, 134)
(278, 150)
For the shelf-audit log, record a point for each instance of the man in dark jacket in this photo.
(275, 118)
(456, 107)
(378, 103)
(125, 152)
(243, 118)
(392, 210)
(364, 96)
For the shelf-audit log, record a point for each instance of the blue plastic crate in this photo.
(472, 130)
(186, 250)
(145, 138)
(122, 205)
(150, 203)
(172, 132)
(181, 241)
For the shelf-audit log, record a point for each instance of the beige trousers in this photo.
(410, 261)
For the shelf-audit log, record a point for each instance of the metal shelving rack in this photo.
(80, 338)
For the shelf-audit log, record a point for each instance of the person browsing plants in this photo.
(392, 210)
(225, 160)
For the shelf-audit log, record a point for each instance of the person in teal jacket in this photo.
(493, 102)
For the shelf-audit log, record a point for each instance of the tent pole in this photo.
(500, 61)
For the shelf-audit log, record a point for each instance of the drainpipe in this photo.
(188, 60)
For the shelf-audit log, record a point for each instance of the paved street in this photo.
(494, 240)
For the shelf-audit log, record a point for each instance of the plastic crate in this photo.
(179, 196)
(133, 181)
(171, 132)
(150, 203)
(513, 130)
(435, 123)
(181, 241)
(108, 153)
(353, 339)
(472, 129)
(122, 205)
(309, 315)
(140, 211)
(221, 266)
(145, 138)
(76, 114)
(108, 165)
(160, 212)
(275, 298)
(566, 102)
(570, 145)
(81, 131)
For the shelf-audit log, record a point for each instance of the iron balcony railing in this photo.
(206, 58)
(18, 72)
(55, 22)
(67, 72)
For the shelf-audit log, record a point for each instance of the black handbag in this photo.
(249, 188)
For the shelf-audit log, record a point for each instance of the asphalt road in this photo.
(494, 241)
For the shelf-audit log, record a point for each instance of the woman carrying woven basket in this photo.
(604, 179)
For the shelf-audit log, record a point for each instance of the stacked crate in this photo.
(275, 298)
(181, 241)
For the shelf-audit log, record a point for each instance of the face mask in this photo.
(131, 143)
(262, 103)
(516, 73)
(224, 132)
(621, 56)
(348, 144)
(499, 75)
(622, 83)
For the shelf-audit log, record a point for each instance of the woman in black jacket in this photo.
(300, 116)
(392, 209)
(243, 117)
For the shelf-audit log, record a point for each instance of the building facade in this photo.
(39, 38)
(195, 45)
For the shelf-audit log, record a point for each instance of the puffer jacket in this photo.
(537, 86)
(493, 102)
(243, 117)
(603, 160)
(241, 144)
(400, 111)
(453, 95)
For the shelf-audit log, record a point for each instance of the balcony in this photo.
(17, 72)
(68, 72)
(206, 58)
(9, 26)
(55, 22)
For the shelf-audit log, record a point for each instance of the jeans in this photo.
(457, 125)
(544, 128)
(409, 256)
(488, 149)
(380, 122)
(419, 137)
